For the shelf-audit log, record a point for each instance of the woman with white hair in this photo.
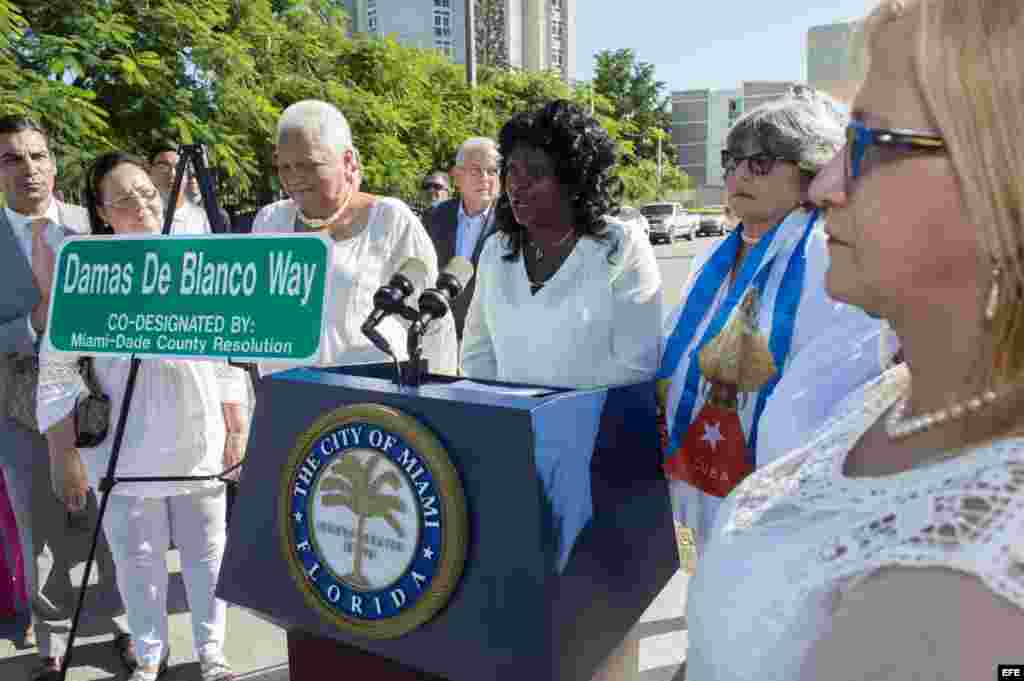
(319, 167)
(891, 546)
(752, 310)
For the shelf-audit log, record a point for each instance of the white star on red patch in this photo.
(713, 435)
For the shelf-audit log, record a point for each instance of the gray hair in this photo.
(472, 144)
(806, 126)
(319, 118)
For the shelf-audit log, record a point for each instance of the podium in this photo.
(570, 532)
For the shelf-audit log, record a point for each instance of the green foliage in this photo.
(134, 74)
(636, 99)
(640, 181)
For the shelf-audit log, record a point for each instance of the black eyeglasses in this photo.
(434, 187)
(859, 137)
(760, 164)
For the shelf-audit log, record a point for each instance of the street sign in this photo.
(238, 296)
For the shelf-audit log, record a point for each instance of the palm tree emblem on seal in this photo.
(351, 483)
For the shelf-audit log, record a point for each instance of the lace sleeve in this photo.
(60, 384)
(972, 523)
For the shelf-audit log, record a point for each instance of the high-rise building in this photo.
(700, 123)
(534, 35)
(834, 64)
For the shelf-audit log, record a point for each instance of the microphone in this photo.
(390, 298)
(435, 302)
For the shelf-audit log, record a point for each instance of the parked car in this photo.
(667, 221)
(711, 225)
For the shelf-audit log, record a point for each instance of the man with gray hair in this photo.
(460, 226)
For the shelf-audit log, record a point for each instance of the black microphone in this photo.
(390, 299)
(435, 302)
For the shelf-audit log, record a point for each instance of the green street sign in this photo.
(239, 296)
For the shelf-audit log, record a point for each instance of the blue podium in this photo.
(568, 534)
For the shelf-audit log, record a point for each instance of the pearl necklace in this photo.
(320, 223)
(897, 427)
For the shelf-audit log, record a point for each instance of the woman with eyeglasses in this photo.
(755, 309)
(185, 420)
(892, 545)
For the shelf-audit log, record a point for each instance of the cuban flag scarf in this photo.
(710, 441)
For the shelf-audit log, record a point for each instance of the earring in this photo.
(993, 294)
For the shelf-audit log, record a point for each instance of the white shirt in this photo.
(596, 321)
(795, 537)
(469, 230)
(360, 266)
(190, 219)
(175, 426)
(21, 225)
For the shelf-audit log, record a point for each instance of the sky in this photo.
(714, 44)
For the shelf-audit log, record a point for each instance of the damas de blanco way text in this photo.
(197, 274)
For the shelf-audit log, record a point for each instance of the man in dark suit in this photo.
(460, 226)
(27, 174)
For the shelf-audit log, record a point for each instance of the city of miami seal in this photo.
(373, 520)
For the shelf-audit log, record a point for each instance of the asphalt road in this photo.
(258, 649)
(675, 260)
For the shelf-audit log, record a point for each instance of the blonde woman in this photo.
(892, 545)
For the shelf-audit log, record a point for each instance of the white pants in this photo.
(139, 530)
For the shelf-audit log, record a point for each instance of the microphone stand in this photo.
(414, 370)
(187, 153)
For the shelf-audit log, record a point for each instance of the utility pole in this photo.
(659, 165)
(471, 43)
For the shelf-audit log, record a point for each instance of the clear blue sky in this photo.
(708, 43)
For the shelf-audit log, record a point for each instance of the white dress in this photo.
(596, 321)
(360, 266)
(797, 535)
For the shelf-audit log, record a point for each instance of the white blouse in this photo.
(596, 321)
(175, 426)
(797, 535)
(361, 265)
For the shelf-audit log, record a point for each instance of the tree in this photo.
(636, 98)
(351, 483)
(640, 181)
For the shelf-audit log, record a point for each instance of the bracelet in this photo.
(238, 433)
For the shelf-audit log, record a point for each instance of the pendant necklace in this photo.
(539, 252)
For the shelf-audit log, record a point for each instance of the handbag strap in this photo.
(85, 368)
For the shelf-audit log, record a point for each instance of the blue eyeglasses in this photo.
(859, 137)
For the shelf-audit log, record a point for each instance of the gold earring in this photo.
(993, 294)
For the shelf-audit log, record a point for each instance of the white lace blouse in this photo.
(798, 534)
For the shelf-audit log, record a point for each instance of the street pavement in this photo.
(257, 649)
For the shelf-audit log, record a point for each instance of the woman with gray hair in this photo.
(320, 169)
(753, 310)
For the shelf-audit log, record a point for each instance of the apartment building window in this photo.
(556, 4)
(444, 4)
(371, 20)
(442, 24)
(556, 57)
